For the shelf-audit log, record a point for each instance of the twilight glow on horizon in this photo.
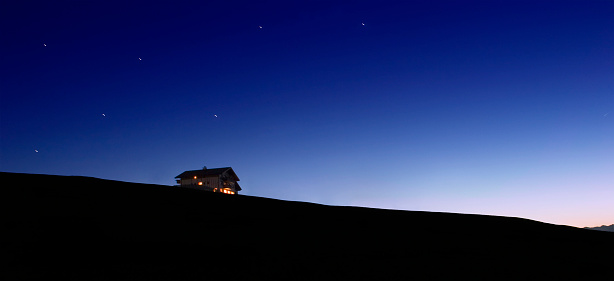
(484, 107)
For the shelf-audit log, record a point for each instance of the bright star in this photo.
(45, 45)
(215, 115)
(140, 59)
(260, 26)
(35, 150)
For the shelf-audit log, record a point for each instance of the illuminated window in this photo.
(194, 177)
(200, 183)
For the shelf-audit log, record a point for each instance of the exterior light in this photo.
(200, 183)
(194, 177)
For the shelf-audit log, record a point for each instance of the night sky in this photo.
(486, 107)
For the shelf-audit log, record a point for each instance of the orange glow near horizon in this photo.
(224, 190)
(227, 191)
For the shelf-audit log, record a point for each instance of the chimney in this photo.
(204, 167)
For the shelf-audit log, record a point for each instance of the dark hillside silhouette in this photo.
(81, 228)
(603, 228)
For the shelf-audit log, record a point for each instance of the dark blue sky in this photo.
(492, 107)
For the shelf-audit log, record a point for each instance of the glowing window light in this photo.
(194, 177)
(200, 183)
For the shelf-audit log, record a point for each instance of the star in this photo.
(45, 45)
(103, 115)
(36, 151)
(140, 59)
(260, 26)
(363, 23)
(215, 115)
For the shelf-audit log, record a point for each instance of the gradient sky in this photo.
(487, 107)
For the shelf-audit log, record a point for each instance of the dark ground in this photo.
(79, 228)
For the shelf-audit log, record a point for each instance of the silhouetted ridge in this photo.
(609, 228)
(88, 228)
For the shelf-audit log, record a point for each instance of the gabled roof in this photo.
(207, 172)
